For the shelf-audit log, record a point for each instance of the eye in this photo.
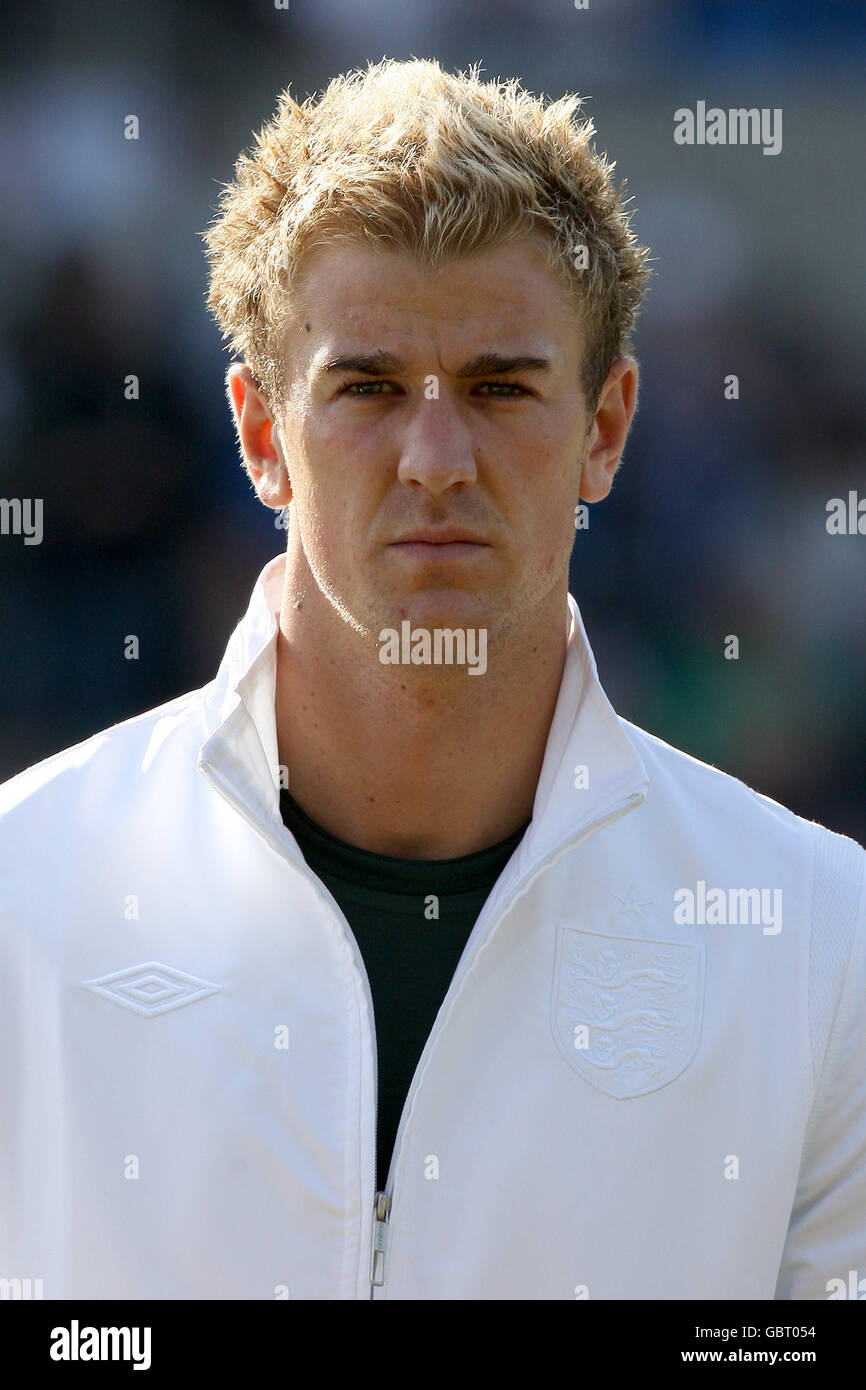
(363, 388)
(506, 386)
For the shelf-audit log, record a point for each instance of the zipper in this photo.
(379, 1249)
(383, 1201)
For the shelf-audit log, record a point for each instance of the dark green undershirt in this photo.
(410, 955)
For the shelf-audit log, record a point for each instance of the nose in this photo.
(437, 447)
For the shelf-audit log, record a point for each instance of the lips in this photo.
(444, 536)
(439, 552)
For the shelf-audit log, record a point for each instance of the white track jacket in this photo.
(647, 1079)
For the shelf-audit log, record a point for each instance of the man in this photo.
(393, 963)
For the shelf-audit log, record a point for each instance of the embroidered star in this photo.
(633, 904)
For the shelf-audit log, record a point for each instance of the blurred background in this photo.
(717, 522)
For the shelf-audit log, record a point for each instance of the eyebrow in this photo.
(380, 363)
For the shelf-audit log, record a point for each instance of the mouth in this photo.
(439, 550)
(444, 543)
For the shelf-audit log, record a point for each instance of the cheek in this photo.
(549, 510)
(560, 538)
(544, 536)
(345, 470)
(332, 528)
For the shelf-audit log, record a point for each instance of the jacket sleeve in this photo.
(825, 1250)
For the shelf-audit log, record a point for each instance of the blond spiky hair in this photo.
(406, 156)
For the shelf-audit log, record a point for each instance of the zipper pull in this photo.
(381, 1208)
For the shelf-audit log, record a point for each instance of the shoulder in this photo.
(710, 801)
(673, 772)
(78, 780)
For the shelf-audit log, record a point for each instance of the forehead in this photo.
(349, 294)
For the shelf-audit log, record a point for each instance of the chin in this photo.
(443, 608)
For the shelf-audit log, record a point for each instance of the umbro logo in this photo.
(151, 989)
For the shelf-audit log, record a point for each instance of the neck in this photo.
(427, 763)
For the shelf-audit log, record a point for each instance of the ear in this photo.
(613, 415)
(258, 440)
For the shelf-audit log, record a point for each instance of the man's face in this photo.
(465, 415)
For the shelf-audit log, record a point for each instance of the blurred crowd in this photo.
(716, 523)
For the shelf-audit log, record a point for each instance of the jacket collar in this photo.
(239, 756)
